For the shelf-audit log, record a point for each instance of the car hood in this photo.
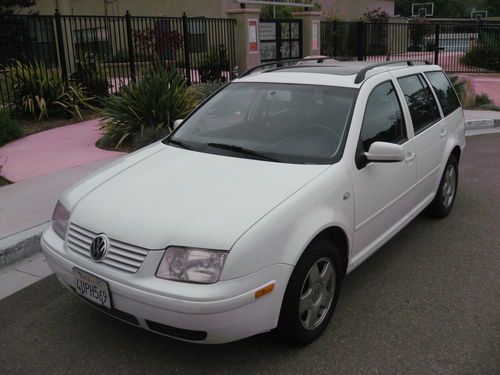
(174, 196)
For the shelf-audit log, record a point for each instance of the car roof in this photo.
(335, 73)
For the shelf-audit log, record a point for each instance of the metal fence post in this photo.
(130, 44)
(185, 31)
(436, 45)
(334, 38)
(60, 46)
(361, 41)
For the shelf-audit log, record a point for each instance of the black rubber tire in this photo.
(290, 329)
(437, 208)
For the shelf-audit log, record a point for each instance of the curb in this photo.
(21, 245)
(482, 124)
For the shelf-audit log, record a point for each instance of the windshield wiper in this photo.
(241, 150)
(180, 144)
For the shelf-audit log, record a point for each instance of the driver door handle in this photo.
(443, 133)
(410, 156)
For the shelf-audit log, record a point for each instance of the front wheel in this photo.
(445, 197)
(311, 294)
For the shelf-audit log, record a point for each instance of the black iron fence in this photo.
(106, 52)
(463, 47)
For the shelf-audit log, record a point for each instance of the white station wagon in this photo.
(247, 217)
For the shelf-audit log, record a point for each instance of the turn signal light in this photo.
(263, 291)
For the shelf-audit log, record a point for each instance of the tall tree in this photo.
(12, 6)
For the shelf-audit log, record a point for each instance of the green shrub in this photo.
(486, 53)
(144, 112)
(214, 63)
(121, 56)
(458, 85)
(483, 99)
(9, 128)
(90, 77)
(202, 91)
(42, 91)
(483, 56)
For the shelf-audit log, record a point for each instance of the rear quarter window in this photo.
(421, 103)
(444, 91)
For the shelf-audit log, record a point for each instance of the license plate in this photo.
(92, 288)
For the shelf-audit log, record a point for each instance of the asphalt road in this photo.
(426, 303)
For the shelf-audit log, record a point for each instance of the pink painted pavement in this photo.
(53, 150)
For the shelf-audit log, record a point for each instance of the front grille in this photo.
(121, 256)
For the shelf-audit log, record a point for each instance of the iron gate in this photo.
(104, 53)
(457, 47)
(280, 39)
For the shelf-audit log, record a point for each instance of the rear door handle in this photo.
(410, 156)
(443, 133)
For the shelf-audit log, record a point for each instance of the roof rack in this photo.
(279, 63)
(360, 76)
(362, 73)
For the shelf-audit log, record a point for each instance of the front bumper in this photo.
(217, 313)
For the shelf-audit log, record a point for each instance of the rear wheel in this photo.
(445, 197)
(311, 294)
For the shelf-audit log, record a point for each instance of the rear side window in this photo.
(383, 120)
(444, 91)
(423, 108)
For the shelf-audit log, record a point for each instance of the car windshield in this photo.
(291, 123)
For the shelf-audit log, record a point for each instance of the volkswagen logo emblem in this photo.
(99, 247)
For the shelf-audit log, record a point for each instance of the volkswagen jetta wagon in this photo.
(246, 218)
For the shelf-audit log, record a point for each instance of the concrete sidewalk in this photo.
(23, 273)
(53, 150)
(43, 165)
(26, 208)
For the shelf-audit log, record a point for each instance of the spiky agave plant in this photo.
(145, 111)
(41, 91)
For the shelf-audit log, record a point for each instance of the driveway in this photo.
(428, 302)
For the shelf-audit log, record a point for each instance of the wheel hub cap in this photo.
(449, 185)
(317, 293)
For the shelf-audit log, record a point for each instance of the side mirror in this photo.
(384, 152)
(177, 123)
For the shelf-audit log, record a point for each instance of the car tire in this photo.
(447, 191)
(304, 290)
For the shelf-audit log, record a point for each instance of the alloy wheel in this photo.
(449, 185)
(317, 293)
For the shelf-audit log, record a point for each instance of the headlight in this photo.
(191, 265)
(60, 219)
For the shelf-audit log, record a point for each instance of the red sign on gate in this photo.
(252, 35)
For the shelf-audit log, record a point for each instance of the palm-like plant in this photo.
(458, 85)
(145, 111)
(42, 91)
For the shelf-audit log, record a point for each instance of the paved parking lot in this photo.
(426, 303)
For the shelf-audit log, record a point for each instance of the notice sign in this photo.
(252, 35)
(315, 35)
(267, 31)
